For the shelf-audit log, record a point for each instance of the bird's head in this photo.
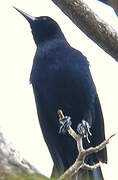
(43, 28)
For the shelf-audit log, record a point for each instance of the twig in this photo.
(79, 163)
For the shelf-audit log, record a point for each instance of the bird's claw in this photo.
(66, 123)
(84, 130)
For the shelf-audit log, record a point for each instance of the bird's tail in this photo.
(83, 174)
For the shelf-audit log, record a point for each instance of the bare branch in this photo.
(90, 23)
(99, 147)
(92, 167)
(82, 153)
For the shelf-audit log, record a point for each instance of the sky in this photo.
(18, 116)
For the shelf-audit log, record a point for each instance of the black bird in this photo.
(61, 79)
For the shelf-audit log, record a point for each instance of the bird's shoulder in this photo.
(60, 53)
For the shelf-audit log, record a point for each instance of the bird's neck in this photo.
(45, 41)
(51, 43)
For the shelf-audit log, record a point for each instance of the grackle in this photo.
(61, 79)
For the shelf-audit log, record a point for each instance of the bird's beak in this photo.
(27, 16)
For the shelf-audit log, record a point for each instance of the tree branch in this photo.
(90, 23)
(79, 163)
(13, 166)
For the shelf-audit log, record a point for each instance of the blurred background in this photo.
(18, 116)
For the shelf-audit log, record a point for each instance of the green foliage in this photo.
(24, 176)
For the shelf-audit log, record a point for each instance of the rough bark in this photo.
(95, 28)
(13, 166)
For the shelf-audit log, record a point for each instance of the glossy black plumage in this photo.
(61, 78)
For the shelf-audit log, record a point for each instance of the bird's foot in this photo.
(66, 123)
(84, 130)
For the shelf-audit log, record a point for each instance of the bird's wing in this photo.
(98, 130)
